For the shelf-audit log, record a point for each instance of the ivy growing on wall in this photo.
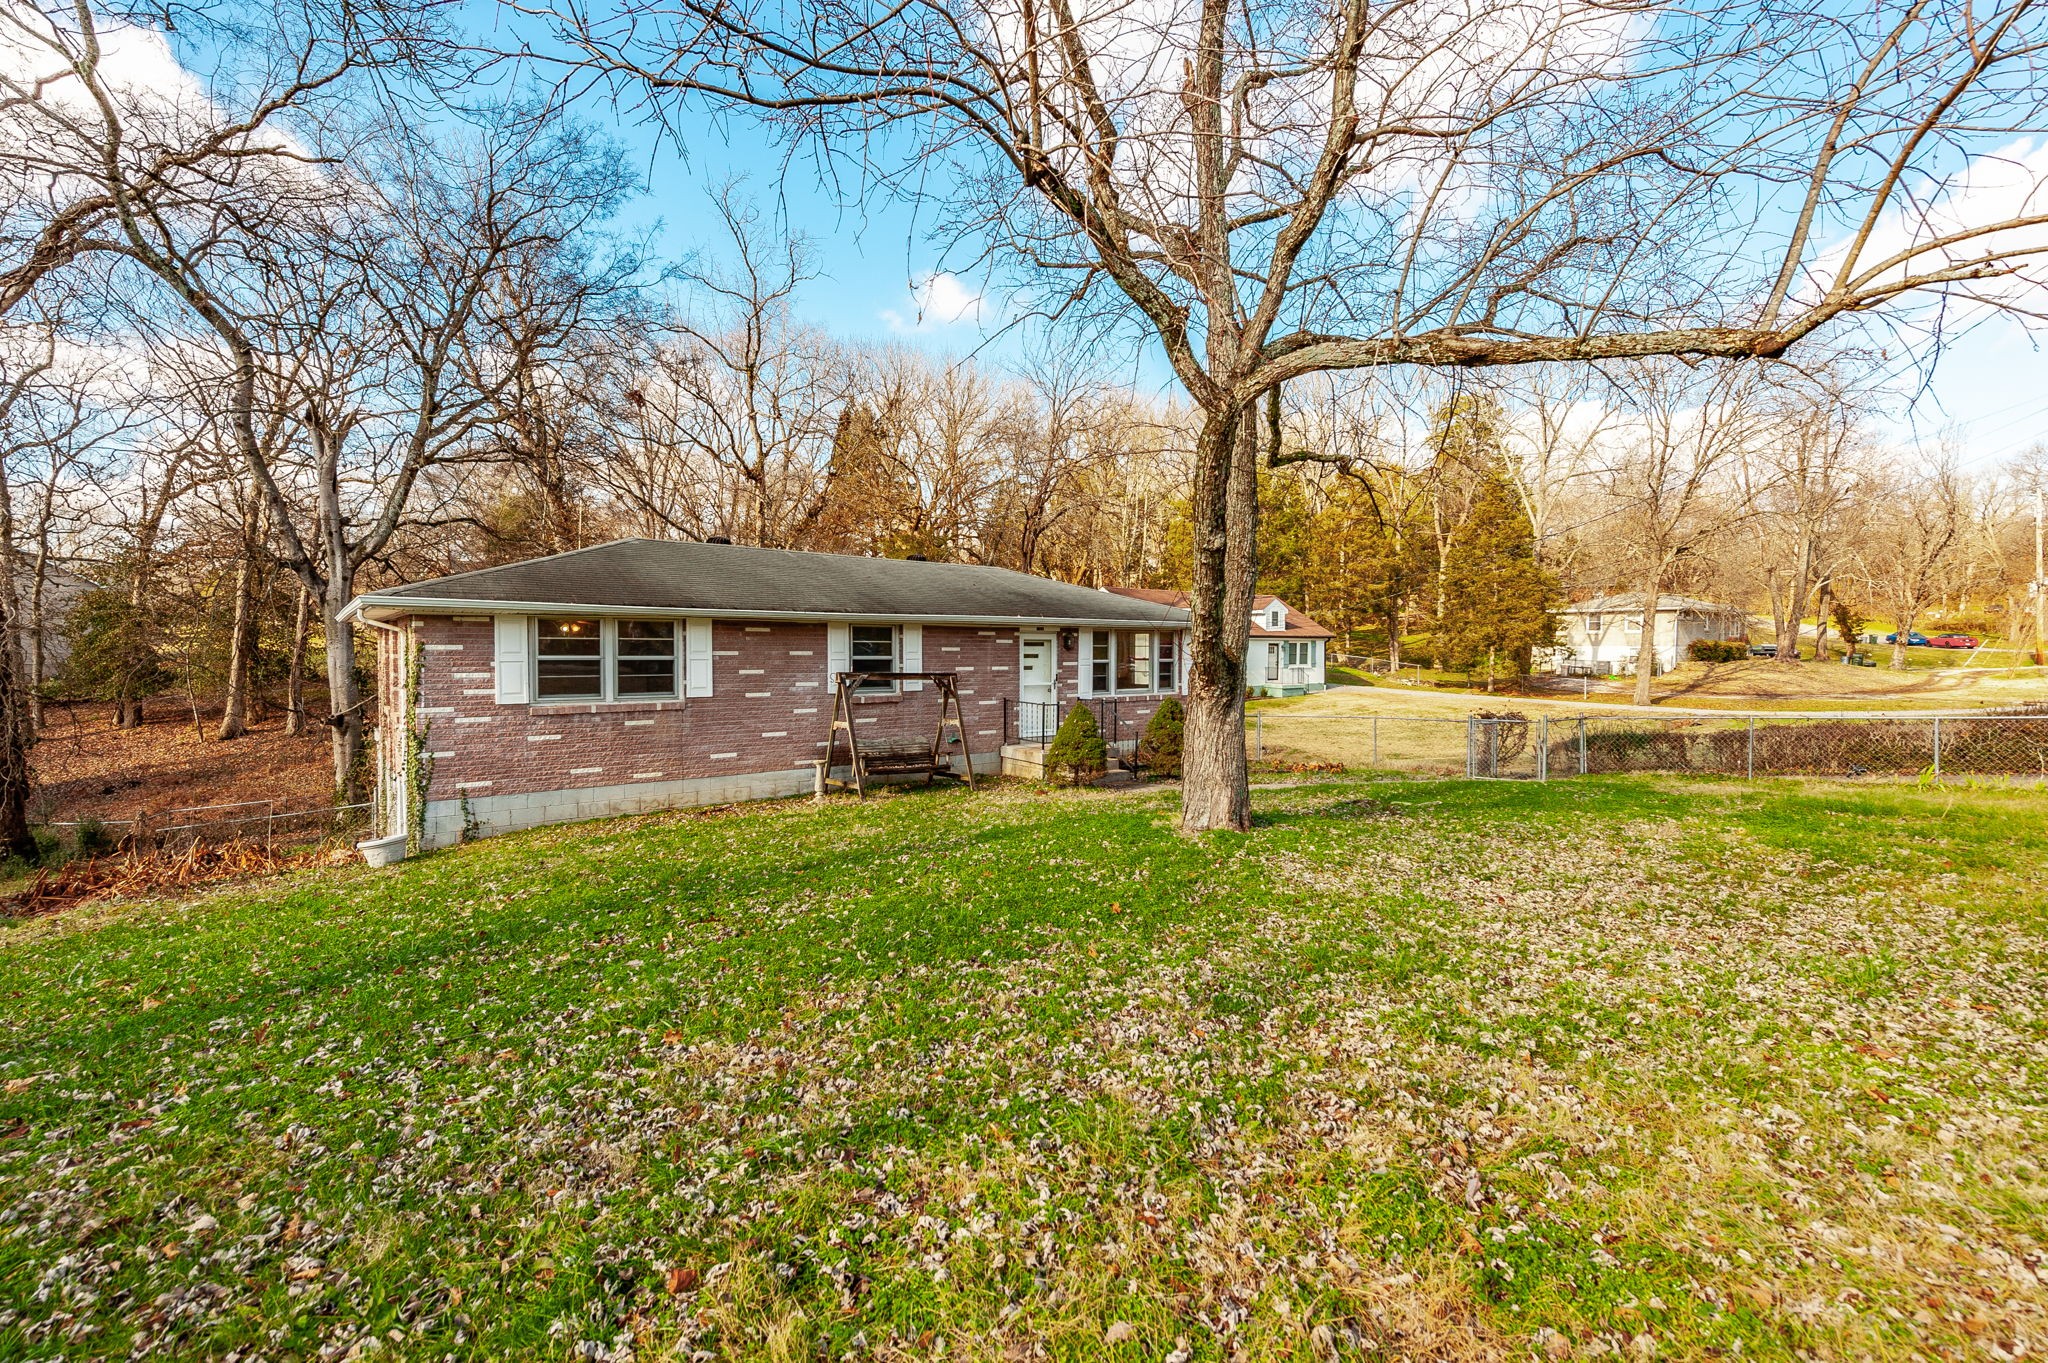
(419, 763)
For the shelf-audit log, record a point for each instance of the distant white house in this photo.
(1605, 635)
(1288, 651)
(44, 650)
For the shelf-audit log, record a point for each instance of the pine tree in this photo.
(1159, 747)
(1077, 749)
(1499, 603)
(112, 657)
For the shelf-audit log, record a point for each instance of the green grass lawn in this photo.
(1413, 1069)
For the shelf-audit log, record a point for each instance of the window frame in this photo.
(540, 638)
(1104, 662)
(894, 662)
(677, 647)
(608, 656)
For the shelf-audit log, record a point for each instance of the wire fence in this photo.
(255, 821)
(1512, 745)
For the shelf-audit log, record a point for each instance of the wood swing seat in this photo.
(895, 756)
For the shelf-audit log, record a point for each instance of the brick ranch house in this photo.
(645, 674)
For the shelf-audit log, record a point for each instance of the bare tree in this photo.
(102, 129)
(1271, 191)
(1800, 479)
(1678, 440)
(1915, 520)
(733, 420)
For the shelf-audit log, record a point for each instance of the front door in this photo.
(1037, 712)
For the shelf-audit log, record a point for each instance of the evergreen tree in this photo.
(111, 654)
(1077, 749)
(1499, 603)
(1160, 746)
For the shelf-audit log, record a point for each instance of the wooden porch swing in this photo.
(896, 757)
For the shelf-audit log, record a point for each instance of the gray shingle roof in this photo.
(727, 579)
(1633, 601)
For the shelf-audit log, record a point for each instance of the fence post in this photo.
(1937, 747)
(1749, 752)
(1258, 738)
(1375, 740)
(1471, 746)
(1543, 747)
(1582, 747)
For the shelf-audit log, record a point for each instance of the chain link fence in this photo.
(1513, 745)
(267, 823)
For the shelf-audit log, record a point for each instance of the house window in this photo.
(1297, 651)
(646, 660)
(872, 648)
(1133, 660)
(1276, 617)
(569, 661)
(1596, 625)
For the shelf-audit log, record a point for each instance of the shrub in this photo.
(93, 838)
(1077, 749)
(1717, 650)
(1159, 746)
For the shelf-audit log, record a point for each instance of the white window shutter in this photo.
(913, 654)
(1084, 684)
(838, 653)
(696, 657)
(511, 660)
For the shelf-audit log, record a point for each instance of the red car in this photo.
(1953, 641)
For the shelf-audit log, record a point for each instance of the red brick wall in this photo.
(769, 711)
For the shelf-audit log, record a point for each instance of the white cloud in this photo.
(937, 300)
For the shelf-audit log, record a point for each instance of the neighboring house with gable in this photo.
(644, 674)
(1604, 636)
(1288, 651)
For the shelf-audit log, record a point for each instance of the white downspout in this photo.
(392, 801)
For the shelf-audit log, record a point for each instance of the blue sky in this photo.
(1987, 387)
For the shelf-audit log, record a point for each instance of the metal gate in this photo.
(1504, 747)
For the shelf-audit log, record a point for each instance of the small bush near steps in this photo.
(1077, 750)
(1159, 747)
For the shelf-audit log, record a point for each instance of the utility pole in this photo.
(2040, 586)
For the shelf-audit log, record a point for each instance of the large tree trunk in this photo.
(1646, 647)
(344, 702)
(1904, 632)
(15, 780)
(1215, 780)
(295, 676)
(1802, 584)
(234, 717)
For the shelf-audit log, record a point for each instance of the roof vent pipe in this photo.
(718, 539)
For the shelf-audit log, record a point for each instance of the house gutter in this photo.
(359, 609)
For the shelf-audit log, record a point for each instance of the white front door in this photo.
(1037, 715)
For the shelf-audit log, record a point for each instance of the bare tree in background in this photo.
(1800, 478)
(1677, 444)
(1271, 191)
(1915, 521)
(100, 131)
(732, 421)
